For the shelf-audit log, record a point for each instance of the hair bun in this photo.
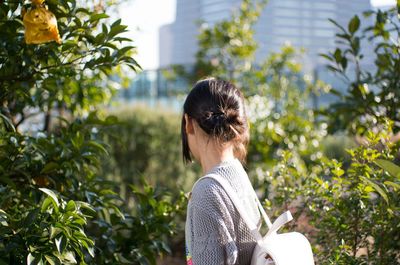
(223, 122)
(231, 116)
(218, 118)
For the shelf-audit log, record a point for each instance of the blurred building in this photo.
(165, 45)
(302, 23)
(184, 31)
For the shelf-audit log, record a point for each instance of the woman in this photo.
(215, 133)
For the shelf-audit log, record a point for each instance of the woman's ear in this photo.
(189, 126)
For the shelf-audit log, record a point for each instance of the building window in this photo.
(290, 4)
(286, 21)
(324, 15)
(217, 7)
(324, 6)
(324, 33)
(287, 12)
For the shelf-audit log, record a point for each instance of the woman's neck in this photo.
(213, 157)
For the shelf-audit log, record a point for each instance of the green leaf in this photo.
(3, 218)
(52, 260)
(118, 212)
(337, 25)
(46, 203)
(31, 260)
(125, 49)
(86, 206)
(69, 257)
(71, 206)
(51, 194)
(398, 8)
(354, 24)
(338, 171)
(116, 22)
(338, 55)
(49, 167)
(91, 251)
(396, 186)
(377, 188)
(391, 168)
(98, 146)
(61, 243)
(115, 30)
(7, 122)
(96, 17)
(326, 56)
(78, 140)
(31, 218)
(54, 231)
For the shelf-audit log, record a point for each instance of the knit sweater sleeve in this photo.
(213, 235)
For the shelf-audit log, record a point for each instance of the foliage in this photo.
(52, 233)
(350, 214)
(227, 48)
(349, 208)
(333, 147)
(372, 93)
(68, 162)
(356, 211)
(146, 142)
(55, 208)
(69, 77)
(279, 111)
(141, 236)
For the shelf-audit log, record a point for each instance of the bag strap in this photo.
(273, 227)
(238, 205)
(261, 209)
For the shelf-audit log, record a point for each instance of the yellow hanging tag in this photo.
(40, 24)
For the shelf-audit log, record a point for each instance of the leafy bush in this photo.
(372, 93)
(53, 233)
(334, 146)
(146, 142)
(68, 162)
(350, 214)
(55, 208)
(356, 211)
(145, 145)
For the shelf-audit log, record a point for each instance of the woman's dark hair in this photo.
(218, 108)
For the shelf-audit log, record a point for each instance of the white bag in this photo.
(273, 249)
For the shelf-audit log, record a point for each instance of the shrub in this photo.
(372, 93)
(356, 211)
(147, 143)
(55, 208)
(97, 226)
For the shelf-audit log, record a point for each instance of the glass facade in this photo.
(302, 23)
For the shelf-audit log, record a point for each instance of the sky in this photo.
(144, 17)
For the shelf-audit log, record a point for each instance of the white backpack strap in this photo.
(273, 227)
(238, 205)
(279, 222)
(263, 213)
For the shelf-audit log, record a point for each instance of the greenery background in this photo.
(86, 187)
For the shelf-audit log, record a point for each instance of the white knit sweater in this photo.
(215, 232)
